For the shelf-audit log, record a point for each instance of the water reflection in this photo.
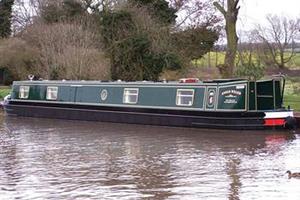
(58, 159)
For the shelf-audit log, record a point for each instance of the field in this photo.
(292, 93)
(212, 59)
(295, 62)
(293, 101)
(4, 91)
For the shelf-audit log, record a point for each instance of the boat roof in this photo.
(140, 83)
(224, 80)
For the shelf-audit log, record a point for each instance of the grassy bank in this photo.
(292, 93)
(293, 101)
(212, 59)
(3, 92)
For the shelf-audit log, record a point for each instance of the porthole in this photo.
(211, 99)
(103, 95)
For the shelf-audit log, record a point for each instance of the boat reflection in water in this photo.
(88, 160)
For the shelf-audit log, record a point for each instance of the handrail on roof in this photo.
(224, 80)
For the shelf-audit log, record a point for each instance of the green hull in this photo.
(208, 96)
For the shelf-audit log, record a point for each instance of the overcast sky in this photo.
(254, 11)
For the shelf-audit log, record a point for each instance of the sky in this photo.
(254, 11)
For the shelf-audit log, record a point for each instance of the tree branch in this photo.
(235, 4)
(220, 8)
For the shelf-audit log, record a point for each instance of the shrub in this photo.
(68, 50)
(18, 59)
(251, 71)
(139, 47)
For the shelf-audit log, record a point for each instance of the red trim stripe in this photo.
(274, 122)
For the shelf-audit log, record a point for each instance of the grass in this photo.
(293, 101)
(295, 62)
(292, 93)
(3, 92)
(212, 59)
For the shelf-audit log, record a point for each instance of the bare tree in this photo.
(101, 5)
(194, 12)
(279, 37)
(68, 51)
(18, 57)
(248, 64)
(24, 13)
(230, 16)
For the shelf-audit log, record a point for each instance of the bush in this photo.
(139, 47)
(18, 58)
(251, 71)
(68, 50)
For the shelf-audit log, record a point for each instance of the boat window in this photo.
(103, 94)
(24, 92)
(52, 93)
(130, 95)
(185, 97)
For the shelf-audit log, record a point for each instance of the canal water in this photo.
(59, 159)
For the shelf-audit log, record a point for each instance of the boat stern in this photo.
(283, 119)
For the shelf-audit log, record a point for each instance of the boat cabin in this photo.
(232, 103)
(215, 95)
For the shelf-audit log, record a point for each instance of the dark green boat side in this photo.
(234, 104)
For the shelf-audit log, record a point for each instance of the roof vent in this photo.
(30, 77)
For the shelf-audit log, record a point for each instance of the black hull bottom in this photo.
(216, 120)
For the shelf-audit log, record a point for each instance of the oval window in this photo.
(211, 98)
(103, 95)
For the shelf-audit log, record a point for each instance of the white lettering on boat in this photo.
(231, 92)
(230, 101)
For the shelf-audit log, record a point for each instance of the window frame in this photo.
(48, 93)
(129, 90)
(178, 95)
(21, 95)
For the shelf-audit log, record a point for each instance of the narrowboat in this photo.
(223, 104)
